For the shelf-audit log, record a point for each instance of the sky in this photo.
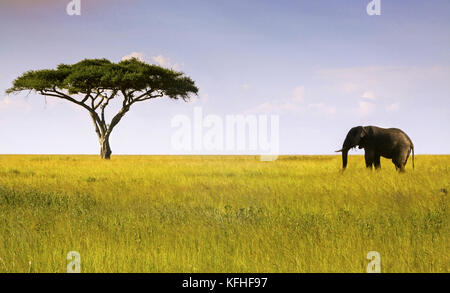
(322, 66)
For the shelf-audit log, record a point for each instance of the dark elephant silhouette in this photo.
(391, 143)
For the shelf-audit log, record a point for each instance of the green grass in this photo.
(222, 214)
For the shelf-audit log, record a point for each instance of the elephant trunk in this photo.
(352, 140)
(344, 158)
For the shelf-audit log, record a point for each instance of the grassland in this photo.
(222, 214)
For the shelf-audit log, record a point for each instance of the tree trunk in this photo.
(105, 149)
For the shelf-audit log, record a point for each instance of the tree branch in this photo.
(116, 119)
(61, 95)
(102, 107)
(148, 98)
(144, 94)
(97, 130)
(101, 128)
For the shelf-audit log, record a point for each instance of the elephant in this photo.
(391, 143)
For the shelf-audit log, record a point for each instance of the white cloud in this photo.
(8, 103)
(316, 105)
(368, 95)
(275, 106)
(393, 107)
(365, 108)
(298, 94)
(291, 106)
(160, 60)
(139, 56)
(331, 110)
(349, 87)
(373, 88)
(401, 82)
(322, 107)
(199, 100)
(294, 104)
(204, 97)
(165, 62)
(246, 86)
(193, 100)
(264, 108)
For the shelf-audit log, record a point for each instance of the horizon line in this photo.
(62, 154)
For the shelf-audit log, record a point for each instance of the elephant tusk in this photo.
(338, 151)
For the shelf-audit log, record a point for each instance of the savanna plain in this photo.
(222, 214)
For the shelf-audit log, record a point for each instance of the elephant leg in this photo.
(400, 160)
(406, 160)
(404, 154)
(400, 167)
(377, 161)
(369, 157)
(394, 161)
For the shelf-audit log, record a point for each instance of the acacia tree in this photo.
(93, 83)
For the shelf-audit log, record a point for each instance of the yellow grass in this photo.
(222, 214)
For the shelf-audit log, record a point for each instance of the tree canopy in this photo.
(92, 83)
(128, 76)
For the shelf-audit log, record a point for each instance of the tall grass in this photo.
(222, 214)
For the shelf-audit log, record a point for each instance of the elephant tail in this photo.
(412, 149)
